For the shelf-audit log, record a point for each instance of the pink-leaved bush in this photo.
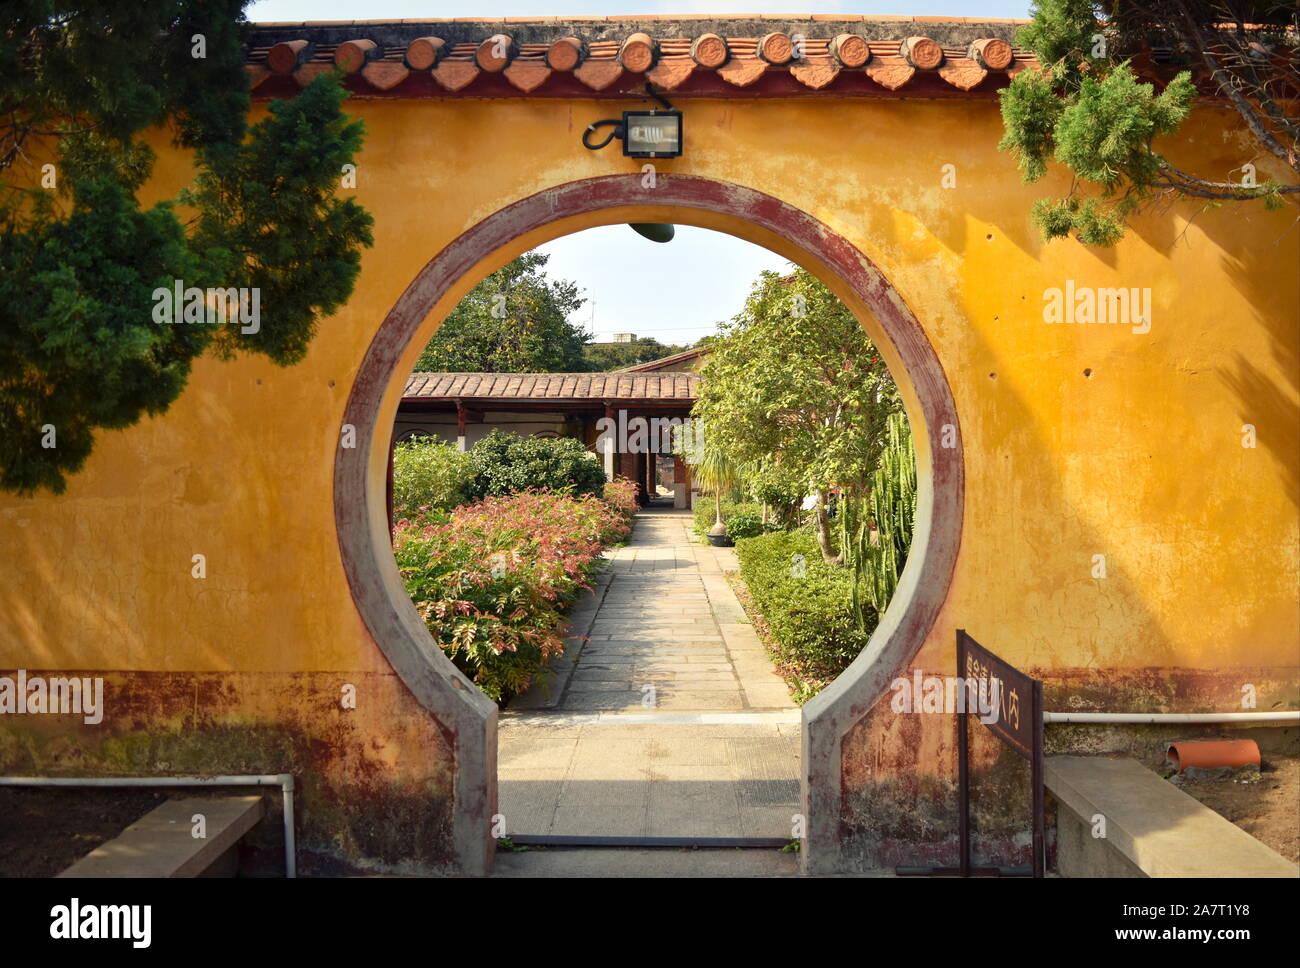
(493, 579)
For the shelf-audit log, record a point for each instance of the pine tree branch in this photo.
(1190, 184)
(1224, 79)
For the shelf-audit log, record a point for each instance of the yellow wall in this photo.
(1141, 462)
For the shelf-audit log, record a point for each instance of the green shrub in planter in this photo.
(703, 512)
(805, 602)
(428, 474)
(505, 463)
(744, 524)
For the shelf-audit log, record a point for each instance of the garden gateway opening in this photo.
(668, 713)
(377, 587)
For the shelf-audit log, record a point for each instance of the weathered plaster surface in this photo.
(1140, 460)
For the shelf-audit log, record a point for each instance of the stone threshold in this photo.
(782, 717)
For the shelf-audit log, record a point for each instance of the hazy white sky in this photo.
(676, 292)
(398, 9)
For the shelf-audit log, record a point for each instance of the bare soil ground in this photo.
(45, 831)
(1265, 804)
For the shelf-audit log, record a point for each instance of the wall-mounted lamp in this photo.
(652, 134)
(654, 231)
(645, 134)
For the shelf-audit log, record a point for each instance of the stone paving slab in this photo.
(671, 722)
(647, 780)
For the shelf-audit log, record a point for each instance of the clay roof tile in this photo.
(770, 54)
(552, 386)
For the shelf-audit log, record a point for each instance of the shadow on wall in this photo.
(896, 809)
(1270, 405)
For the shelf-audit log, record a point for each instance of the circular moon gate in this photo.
(361, 515)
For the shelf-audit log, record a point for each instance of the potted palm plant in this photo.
(717, 473)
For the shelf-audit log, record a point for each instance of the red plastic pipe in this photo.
(1213, 753)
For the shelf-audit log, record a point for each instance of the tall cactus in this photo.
(855, 544)
(877, 554)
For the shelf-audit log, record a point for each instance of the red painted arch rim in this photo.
(444, 691)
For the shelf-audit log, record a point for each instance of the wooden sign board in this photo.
(1010, 704)
(1018, 723)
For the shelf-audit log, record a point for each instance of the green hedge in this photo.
(429, 475)
(809, 616)
(704, 511)
(746, 524)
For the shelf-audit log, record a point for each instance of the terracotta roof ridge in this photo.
(770, 54)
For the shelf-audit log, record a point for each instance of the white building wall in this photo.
(443, 425)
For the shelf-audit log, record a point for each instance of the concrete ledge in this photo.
(570, 862)
(1152, 829)
(161, 843)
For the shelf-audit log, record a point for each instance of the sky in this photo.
(399, 9)
(675, 292)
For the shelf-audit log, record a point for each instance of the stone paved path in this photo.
(670, 633)
(672, 722)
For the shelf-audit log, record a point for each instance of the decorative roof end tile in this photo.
(991, 54)
(495, 53)
(850, 50)
(566, 54)
(287, 56)
(638, 53)
(776, 48)
(709, 51)
(424, 52)
(922, 53)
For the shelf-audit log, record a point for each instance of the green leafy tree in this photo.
(514, 321)
(81, 260)
(618, 356)
(1086, 109)
(795, 393)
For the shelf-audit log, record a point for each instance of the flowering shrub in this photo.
(492, 580)
(620, 494)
